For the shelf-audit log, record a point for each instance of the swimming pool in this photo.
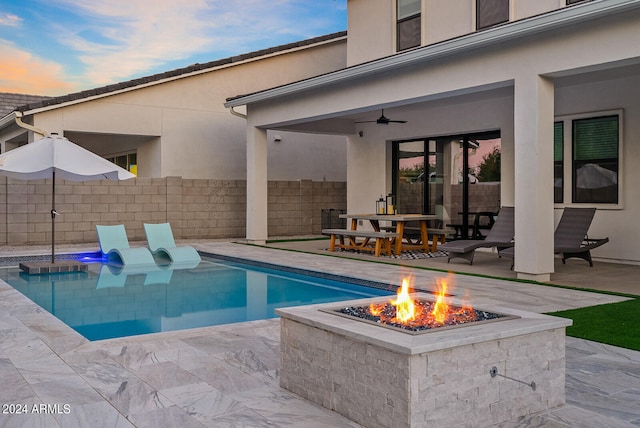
(107, 302)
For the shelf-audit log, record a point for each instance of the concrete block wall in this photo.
(295, 207)
(482, 197)
(195, 208)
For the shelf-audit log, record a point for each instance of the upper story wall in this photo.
(181, 127)
(372, 23)
(371, 30)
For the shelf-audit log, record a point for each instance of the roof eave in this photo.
(485, 38)
(8, 120)
(97, 93)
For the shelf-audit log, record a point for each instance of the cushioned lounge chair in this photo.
(163, 246)
(114, 244)
(500, 236)
(570, 239)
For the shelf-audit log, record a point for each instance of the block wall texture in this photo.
(482, 197)
(453, 387)
(195, 208)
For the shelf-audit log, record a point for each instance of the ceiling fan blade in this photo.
(382, 120)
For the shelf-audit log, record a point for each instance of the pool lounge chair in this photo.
(163, 246)
(500, 235)
(114, 244)
(111, 276)
(570, 239)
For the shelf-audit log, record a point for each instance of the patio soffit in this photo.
(528, 27)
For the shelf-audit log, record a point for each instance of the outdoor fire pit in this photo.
(459, 366)
(417, 316)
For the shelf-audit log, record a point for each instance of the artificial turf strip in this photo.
(615, 324)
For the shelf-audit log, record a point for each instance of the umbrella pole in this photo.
(53, 216)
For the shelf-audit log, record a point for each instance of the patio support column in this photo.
(533, 132)
(256, 185)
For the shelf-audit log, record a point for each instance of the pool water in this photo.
(106, 302)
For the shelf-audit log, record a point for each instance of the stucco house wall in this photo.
(549, 61)
(372, 23)
(179, 126)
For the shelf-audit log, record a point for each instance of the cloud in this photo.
(122, 39)
(26, 74)
(101, 42)
(9, 20)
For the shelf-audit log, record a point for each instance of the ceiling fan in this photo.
(383, 120)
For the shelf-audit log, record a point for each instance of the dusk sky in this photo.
(55, 47)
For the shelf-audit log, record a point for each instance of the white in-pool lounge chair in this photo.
(112, 276)
(114, 244)
(163, 246)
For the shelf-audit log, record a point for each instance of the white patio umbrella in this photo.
(56, 157)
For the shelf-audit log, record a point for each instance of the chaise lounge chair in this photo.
(500, 236)
(570, 239)
(163, 246)
(114, 244)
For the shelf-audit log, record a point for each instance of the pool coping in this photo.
(48, 354)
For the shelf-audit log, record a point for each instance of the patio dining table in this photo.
(400, 220)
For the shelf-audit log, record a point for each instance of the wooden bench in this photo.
(383, 240)
(438, 236)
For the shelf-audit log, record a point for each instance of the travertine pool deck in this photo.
(227, 376)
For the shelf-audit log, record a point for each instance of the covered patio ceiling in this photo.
(411, 110)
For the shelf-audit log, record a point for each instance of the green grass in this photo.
(615, 324)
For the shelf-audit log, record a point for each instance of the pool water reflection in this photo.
(109, 302)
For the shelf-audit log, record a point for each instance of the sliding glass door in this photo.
(455, 178)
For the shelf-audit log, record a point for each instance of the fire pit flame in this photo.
(409, 312)
(406, 313)
(441, 308)
(405, 308)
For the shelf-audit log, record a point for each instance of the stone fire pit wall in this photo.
(383, 378)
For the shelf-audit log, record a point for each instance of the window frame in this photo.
(568, 160)
(112, 158)
(477, 17)
(415, 17)
(559, 164)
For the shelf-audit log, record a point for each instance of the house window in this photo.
(595, 159)
(558, 162)
(408, 24)
(574, 1)
(128, 161)
(491, 12)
